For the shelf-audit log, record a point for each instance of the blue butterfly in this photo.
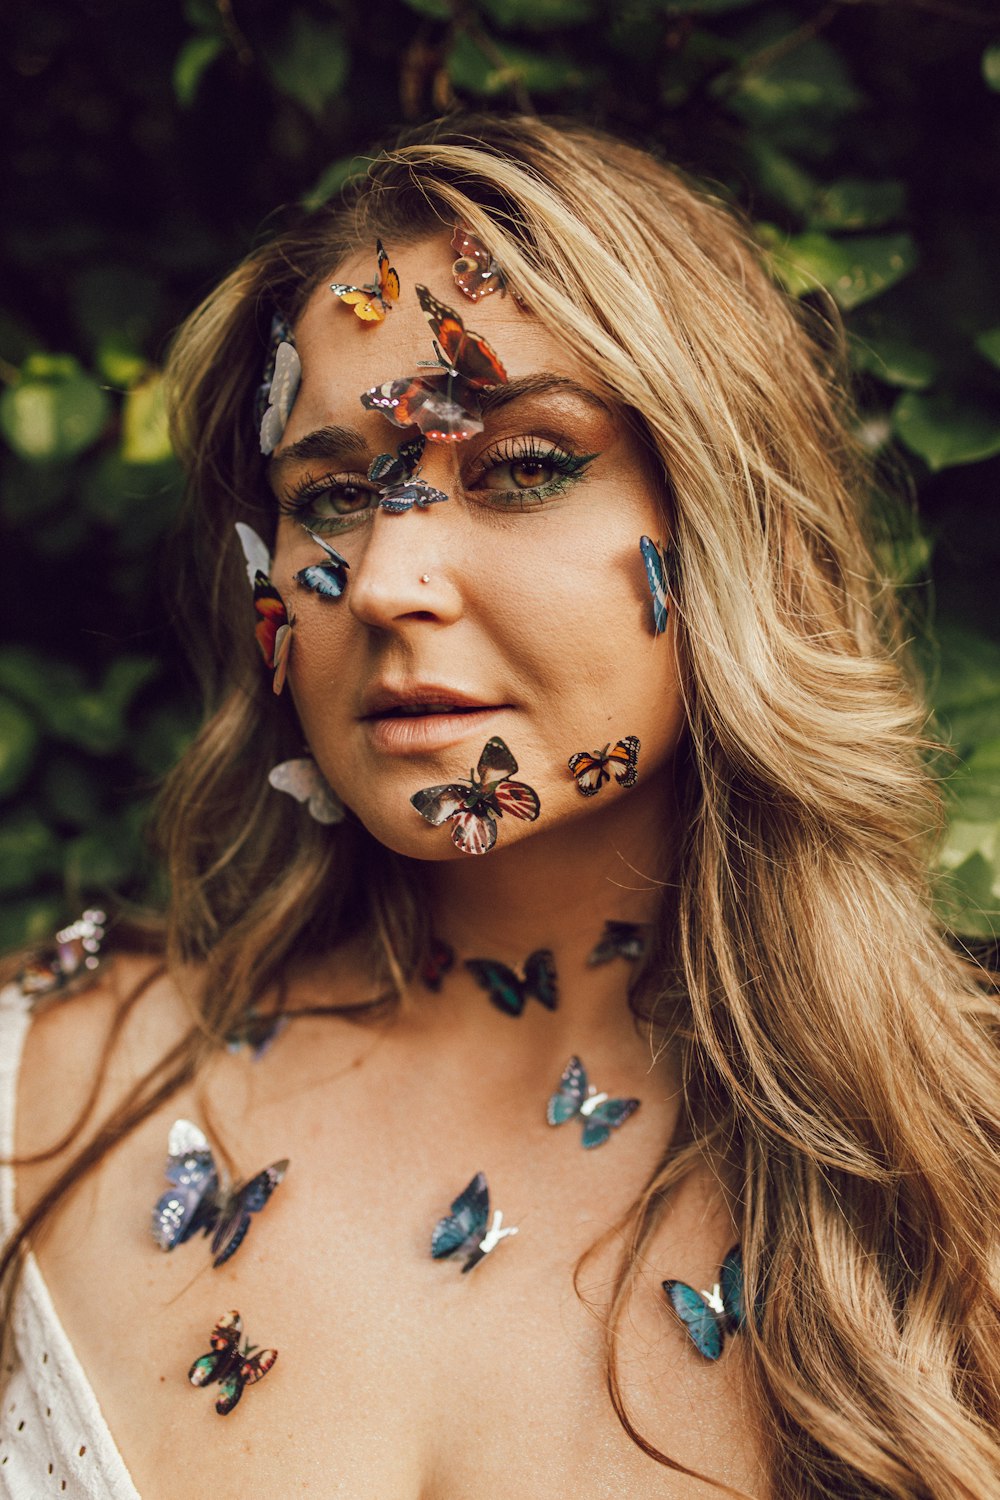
(508, 991)
(464, 1228)
(619, 940)
(198, 1201)
(399, 488)
(709, 1316)
(329, 578)
(657, 569)
(576, 1099)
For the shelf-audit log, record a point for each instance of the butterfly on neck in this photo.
(577, 1099)
(508, 990)
(619, 940)
(468, 1228)
(710, 1316)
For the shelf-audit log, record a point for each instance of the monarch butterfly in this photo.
(371, 303)
(592, 770)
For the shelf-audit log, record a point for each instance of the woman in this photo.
(605, 776)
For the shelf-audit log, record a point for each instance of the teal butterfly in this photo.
(577, 1099)
(508, 991)
(710, 1316)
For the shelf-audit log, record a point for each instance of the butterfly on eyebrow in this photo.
(273, 631)
(442, 400)
(395, 475)
(618, 940)
(576, 1099)
(196, 1200)
(473, 806)
(657, 559)
(476, 273)
(234, 1368)
(592, 770)
(371, 303)
(508, 991)
(464, 1228)
(328, 579)
(710, 1316)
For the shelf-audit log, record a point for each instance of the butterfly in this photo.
(197, 1201)
(476, 273)
(591, 771)
(371, 303)
(440, 961)
(328, 579)
(273, 631)
(577, 1099)
(72, 960)
(233, 1367)
(303, 780)
(442, 401)
(473, 806)
(464, 1228)
(399, 488)
(283, 389)
(709, 1316)
(508, 991)
(655, 556)
(618, 940)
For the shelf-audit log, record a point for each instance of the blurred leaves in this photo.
(148, 148)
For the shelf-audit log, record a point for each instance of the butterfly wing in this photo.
(618, 940)
(191, 1202)
(234, 1219)
(540, 978)
(496, 761)
(475, 271)
(591, 771)
(440, 960)
(230, 1392)
(466, 352)
(598, 1125)
(303, 780)
(281, 397)
(450, 410)
(258, 558)
(701, 1322)
(507, 992)
(388, 277)
(396, 498)
(257, 1366)
(731, 1288)
(516, 798)
(652, 556)
(399, 400)
(466, 1221)
(329, 579)
(565, 1102)
(225, 1343)
(271, 616)
(248, 1372)
(439, 803)
(282, 652)
(623, 757)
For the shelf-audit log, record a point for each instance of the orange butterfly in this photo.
(591, 771)
(371, 303)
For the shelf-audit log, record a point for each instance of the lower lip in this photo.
(412, 734)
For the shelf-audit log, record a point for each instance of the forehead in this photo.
(343, 356)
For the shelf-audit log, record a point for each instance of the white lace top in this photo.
(53, 1436)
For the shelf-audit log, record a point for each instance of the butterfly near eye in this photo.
(395, 474)
(234, 1368)
(710, 1316)
(464, 1230)
(618, 940)
(442, 401)
(273, 631)
(472, 807)
(510, 992)
(440, 960)
(594, 769)
(577, 1099)
(303, 780)
(197, 1200)
(329, 578)
(475, 271)
(658, 569)
(371, 303)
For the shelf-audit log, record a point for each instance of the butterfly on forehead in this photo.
(443, 399)
(372, 302)
(475, 271)
(594, 769)
(464, 1228)
(472, 807)
(234, 1368)
(273, 631)
(710, 1316)
(395, 475)
(196, 1200)
(508, 991)
(577, 1099)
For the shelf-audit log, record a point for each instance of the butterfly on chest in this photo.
(197, 1201)
(232, 1367)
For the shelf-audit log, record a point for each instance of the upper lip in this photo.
(385, 700)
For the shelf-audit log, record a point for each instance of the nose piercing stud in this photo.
(425, 578)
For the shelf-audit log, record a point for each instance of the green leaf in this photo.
(811, 79)
(145, 439)
(853, 270)
(312, 62)
(70, 792)
(28, 850)
(991, 66)
(37, 680)
(538, 15)
(988, 343)
(855, 203)
(474, 72)
(119, 363)
(115, 300)
(971, 896)
(781, 177)
(974, 790)
(197, 54)
(946, 430)
(102, 858)
(894, 362)
(55, 411)
(333, 178)
(18, 742)
(434, 10)
(964, 670)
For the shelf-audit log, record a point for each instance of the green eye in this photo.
(526, 471)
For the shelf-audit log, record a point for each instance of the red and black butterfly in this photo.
(233, 1367)
(594, 769)
(443, 400)
(273, 631)
(372, 302)
(440, 961)
(476, 273)
(473, 806)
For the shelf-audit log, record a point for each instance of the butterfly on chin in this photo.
(196, 1200)
(508, 991)
(577, 1099)
(472, 807)
(467, 1228)
(234, 1368)
(593, 769)
(372, 302)
(710, 1316)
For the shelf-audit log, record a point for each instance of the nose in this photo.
(409, 569)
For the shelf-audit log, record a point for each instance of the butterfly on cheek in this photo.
(510, 992)
(328, 578)
(659, 569)
(577, 1099)
(372, 302)
(472, 807)
(197, 1201)
(591, 770)
(464, 1230)
(273, 631)
(709, 1316)
(234, 1368)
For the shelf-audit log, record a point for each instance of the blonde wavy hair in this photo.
(835, 1048)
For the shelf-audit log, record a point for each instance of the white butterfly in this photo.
(281, 396)
(303, 780)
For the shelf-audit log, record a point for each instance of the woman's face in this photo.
(517, 608)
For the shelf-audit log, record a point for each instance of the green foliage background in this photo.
(148, 145)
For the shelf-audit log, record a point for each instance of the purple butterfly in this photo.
(196, 1200)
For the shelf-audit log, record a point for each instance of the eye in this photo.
(527, 470)
(330, 504)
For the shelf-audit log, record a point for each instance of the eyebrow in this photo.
(540, 385)
(343, 443)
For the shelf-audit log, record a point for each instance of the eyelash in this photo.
(569, 468)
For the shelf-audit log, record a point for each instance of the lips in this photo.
(420, 701)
